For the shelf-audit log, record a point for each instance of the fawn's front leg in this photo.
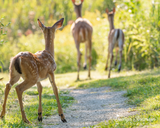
(60, 111)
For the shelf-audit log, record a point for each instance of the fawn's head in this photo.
(49, 34)
(110, 14)
(50, 31)
(77, 7)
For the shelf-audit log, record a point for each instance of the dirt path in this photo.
(92, 106)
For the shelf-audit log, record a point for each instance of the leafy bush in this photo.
(2, 37)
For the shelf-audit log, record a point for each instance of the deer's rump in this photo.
(40, 62)
(81, 29)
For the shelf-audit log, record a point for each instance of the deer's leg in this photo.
(116, 57)
(20, 89)
(78, 58)
(89, 57)
(13, 79)
(60, 111)
(120, 53)
(111, 59)
(39, 87)
(107, 60)
(120, 62)
(85, 57)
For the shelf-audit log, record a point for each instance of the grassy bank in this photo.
(143, 91)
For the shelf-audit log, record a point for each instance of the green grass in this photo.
(30, 99)
(143, 91)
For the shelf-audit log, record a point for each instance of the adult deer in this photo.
(82, 32)
(33, 68)
(115, 39)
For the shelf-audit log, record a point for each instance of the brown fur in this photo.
(33, 68)
(115, 39)
(82, 32)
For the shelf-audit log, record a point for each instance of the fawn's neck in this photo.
(111, 23)
(78, 10)
(49, 42)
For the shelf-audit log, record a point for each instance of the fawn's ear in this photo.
(58, 24)
(114, 10)
(40, 24)
(73, 1)
(107, 11)
(82, 1)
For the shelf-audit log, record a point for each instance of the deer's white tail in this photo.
(83, 33)
(120, 39)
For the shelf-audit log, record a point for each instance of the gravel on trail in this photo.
(92, 106)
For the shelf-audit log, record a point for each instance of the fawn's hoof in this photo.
(85, 67)
(2, 114)
(64, 120)
(115, 63)
(40, 116)
(106, 68)
(119, 68)
(1, 117)
(40, 119)
(26, 121)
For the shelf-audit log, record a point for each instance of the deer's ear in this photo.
(114, 10)
(82, 1)
(40, 24)
(73, 1)
(107, 11)
(58, 24)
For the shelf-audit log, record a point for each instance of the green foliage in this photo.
(2, 31)
(142, 38)
(139, 21)
(2, 38)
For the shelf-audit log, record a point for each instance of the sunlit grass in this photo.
(143, 91)
(31, 101)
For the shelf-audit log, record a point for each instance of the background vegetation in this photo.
(139, 20)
